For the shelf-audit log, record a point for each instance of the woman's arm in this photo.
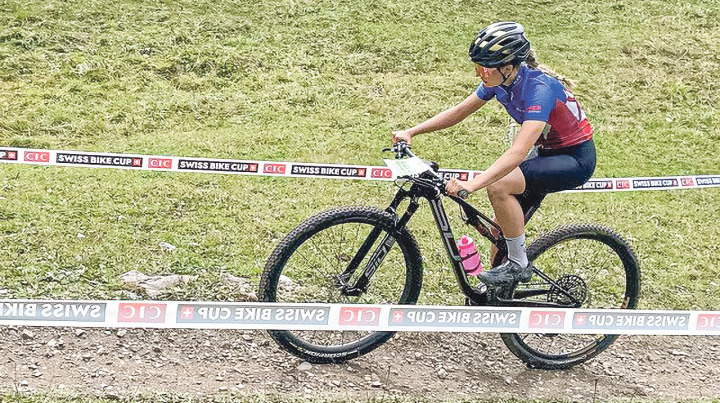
(442, 120)
(530, 131)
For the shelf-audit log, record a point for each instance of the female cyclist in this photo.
(550, 119)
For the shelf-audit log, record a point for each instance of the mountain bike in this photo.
(367, 255)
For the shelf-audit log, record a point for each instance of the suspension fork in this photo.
(376, 259)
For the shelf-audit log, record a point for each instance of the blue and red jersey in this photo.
(534, 95)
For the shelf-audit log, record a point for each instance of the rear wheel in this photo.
(598, 269)
(307, 266)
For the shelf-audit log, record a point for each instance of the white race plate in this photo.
(407, 166)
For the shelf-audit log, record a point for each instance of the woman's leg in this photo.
(535, 178)
(508, 213)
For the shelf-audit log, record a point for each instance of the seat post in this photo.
(530, 210)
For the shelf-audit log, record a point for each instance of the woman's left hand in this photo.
(454, 186)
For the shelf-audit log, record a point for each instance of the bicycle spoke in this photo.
(322, 254)
(315, 264)
(585, 261)
(338, 255)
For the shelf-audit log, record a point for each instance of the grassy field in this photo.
(326, 82)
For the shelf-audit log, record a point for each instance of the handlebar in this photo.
(402, 150)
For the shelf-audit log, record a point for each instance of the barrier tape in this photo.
(335, 317)
(308, 170)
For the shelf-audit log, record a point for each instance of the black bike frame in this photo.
(483, 224)
(471, 216)
(414, 194)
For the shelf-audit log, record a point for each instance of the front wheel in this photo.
(595, 266)
(322, 259)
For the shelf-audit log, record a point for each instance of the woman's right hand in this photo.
(401, 135)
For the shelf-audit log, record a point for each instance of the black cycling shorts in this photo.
(556, 170)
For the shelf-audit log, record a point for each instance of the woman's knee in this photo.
(512, 184)
(496, 192)
(500, 190)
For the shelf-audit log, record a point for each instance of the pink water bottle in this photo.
(469, 255)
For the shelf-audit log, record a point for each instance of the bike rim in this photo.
(310, 275)
(591, 268)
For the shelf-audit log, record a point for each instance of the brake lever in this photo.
(462, 194)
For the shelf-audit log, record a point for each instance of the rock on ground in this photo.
(437, 365)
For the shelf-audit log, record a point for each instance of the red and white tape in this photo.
(336, 317)
(308, 170)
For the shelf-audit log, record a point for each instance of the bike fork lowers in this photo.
(378, 255)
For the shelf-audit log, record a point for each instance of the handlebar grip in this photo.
(463, 194)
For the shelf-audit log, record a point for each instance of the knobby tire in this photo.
(315, 227)
(552, 241)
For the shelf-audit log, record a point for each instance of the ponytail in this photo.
(532, 62)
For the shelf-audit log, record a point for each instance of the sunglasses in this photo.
(484, 71)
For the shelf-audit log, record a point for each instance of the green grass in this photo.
(326, 82)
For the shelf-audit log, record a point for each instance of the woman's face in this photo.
(491, 76)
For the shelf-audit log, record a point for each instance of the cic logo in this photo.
(687, 182)
(708, 322)
(359, 316)
(623, 184)
(160, 163)
(274, 169)
(37, 156)
(381, 173)
(141, 312)
(547, 319)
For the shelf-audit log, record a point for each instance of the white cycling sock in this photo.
(516, 250)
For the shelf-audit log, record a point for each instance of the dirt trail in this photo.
(117, 363)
